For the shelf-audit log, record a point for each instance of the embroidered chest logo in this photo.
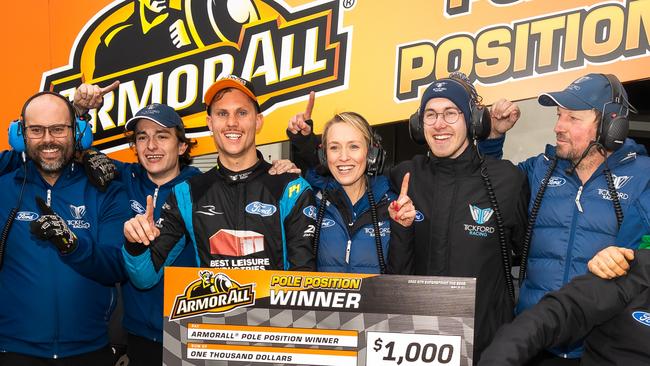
(137, 207)
(259, 208)
(311, 212)
(480, 217)
(26, 216)
(642, 317)
(619, 182)
(554, 182)
(78, 212)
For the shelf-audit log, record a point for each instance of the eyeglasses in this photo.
(450, 116)
(37, 132)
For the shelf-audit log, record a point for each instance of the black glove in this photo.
(99, 168)
(49, 226)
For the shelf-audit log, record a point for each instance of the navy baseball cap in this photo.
(161, 114)
(451, 89)
(592, 91)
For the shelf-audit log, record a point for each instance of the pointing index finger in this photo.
(150, 206)
(405, 185)
(110, 88)
(310, 104)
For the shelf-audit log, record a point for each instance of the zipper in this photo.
(49, 197)
(577, 200)
(347, 251)
(155, 196)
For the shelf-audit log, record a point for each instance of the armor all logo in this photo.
(171, 51)
(212, 293)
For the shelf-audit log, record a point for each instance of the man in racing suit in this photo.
(236, 214)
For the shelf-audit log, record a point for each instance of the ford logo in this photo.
(556, 182)
(642, 317)
(419, 216)
(310, 211)
(259, 208)
(137, 207)
(26, 216)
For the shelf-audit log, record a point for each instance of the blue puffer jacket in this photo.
(350, 227)
(52, 305)
(575, 221)
(143, 308)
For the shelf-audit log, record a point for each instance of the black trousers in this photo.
(143, 352)
(101, 357)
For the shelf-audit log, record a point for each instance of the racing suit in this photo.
(247, 219)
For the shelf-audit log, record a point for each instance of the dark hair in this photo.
(220, 95)
(185, 158)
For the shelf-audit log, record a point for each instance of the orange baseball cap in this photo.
(231, 81)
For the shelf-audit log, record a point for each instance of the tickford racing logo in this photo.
(212, 293)
(171, 51)
(480, 216)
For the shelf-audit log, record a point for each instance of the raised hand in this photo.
(402, 209)
(504, 115)
(50, 226)
(298, 122)
(611, 262)
(283, 166)
(142, 229)
(90, 96)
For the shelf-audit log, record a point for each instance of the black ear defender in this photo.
(82, 127)
(614, 122)
(376, 156)
(479, 124)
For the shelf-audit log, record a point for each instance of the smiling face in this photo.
(234, 121)
(50, 154)
(574, 130)
(445, 140)
(347, 150)
(158, 149)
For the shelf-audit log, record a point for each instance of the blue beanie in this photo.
(451, 89)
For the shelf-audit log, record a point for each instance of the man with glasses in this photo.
(460, 214)
(59, 255)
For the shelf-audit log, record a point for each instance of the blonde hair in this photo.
(353, 119)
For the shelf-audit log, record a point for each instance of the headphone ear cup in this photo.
(613, 131)
(416, 129)
(16, 136)
(376, 156)
(83, 134)
(322, 158)
(481, 123)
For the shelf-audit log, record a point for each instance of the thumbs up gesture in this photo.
(402, 209)
(51, 227)
(298, 123)
(142, 229)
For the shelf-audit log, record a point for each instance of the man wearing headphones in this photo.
(59, 257)
(582, 190)
(461, 214)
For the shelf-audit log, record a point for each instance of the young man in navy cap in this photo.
(157, 134)
(582, 190)
(470, 209)
(237, 214)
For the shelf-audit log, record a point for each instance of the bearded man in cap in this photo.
(585, 192)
